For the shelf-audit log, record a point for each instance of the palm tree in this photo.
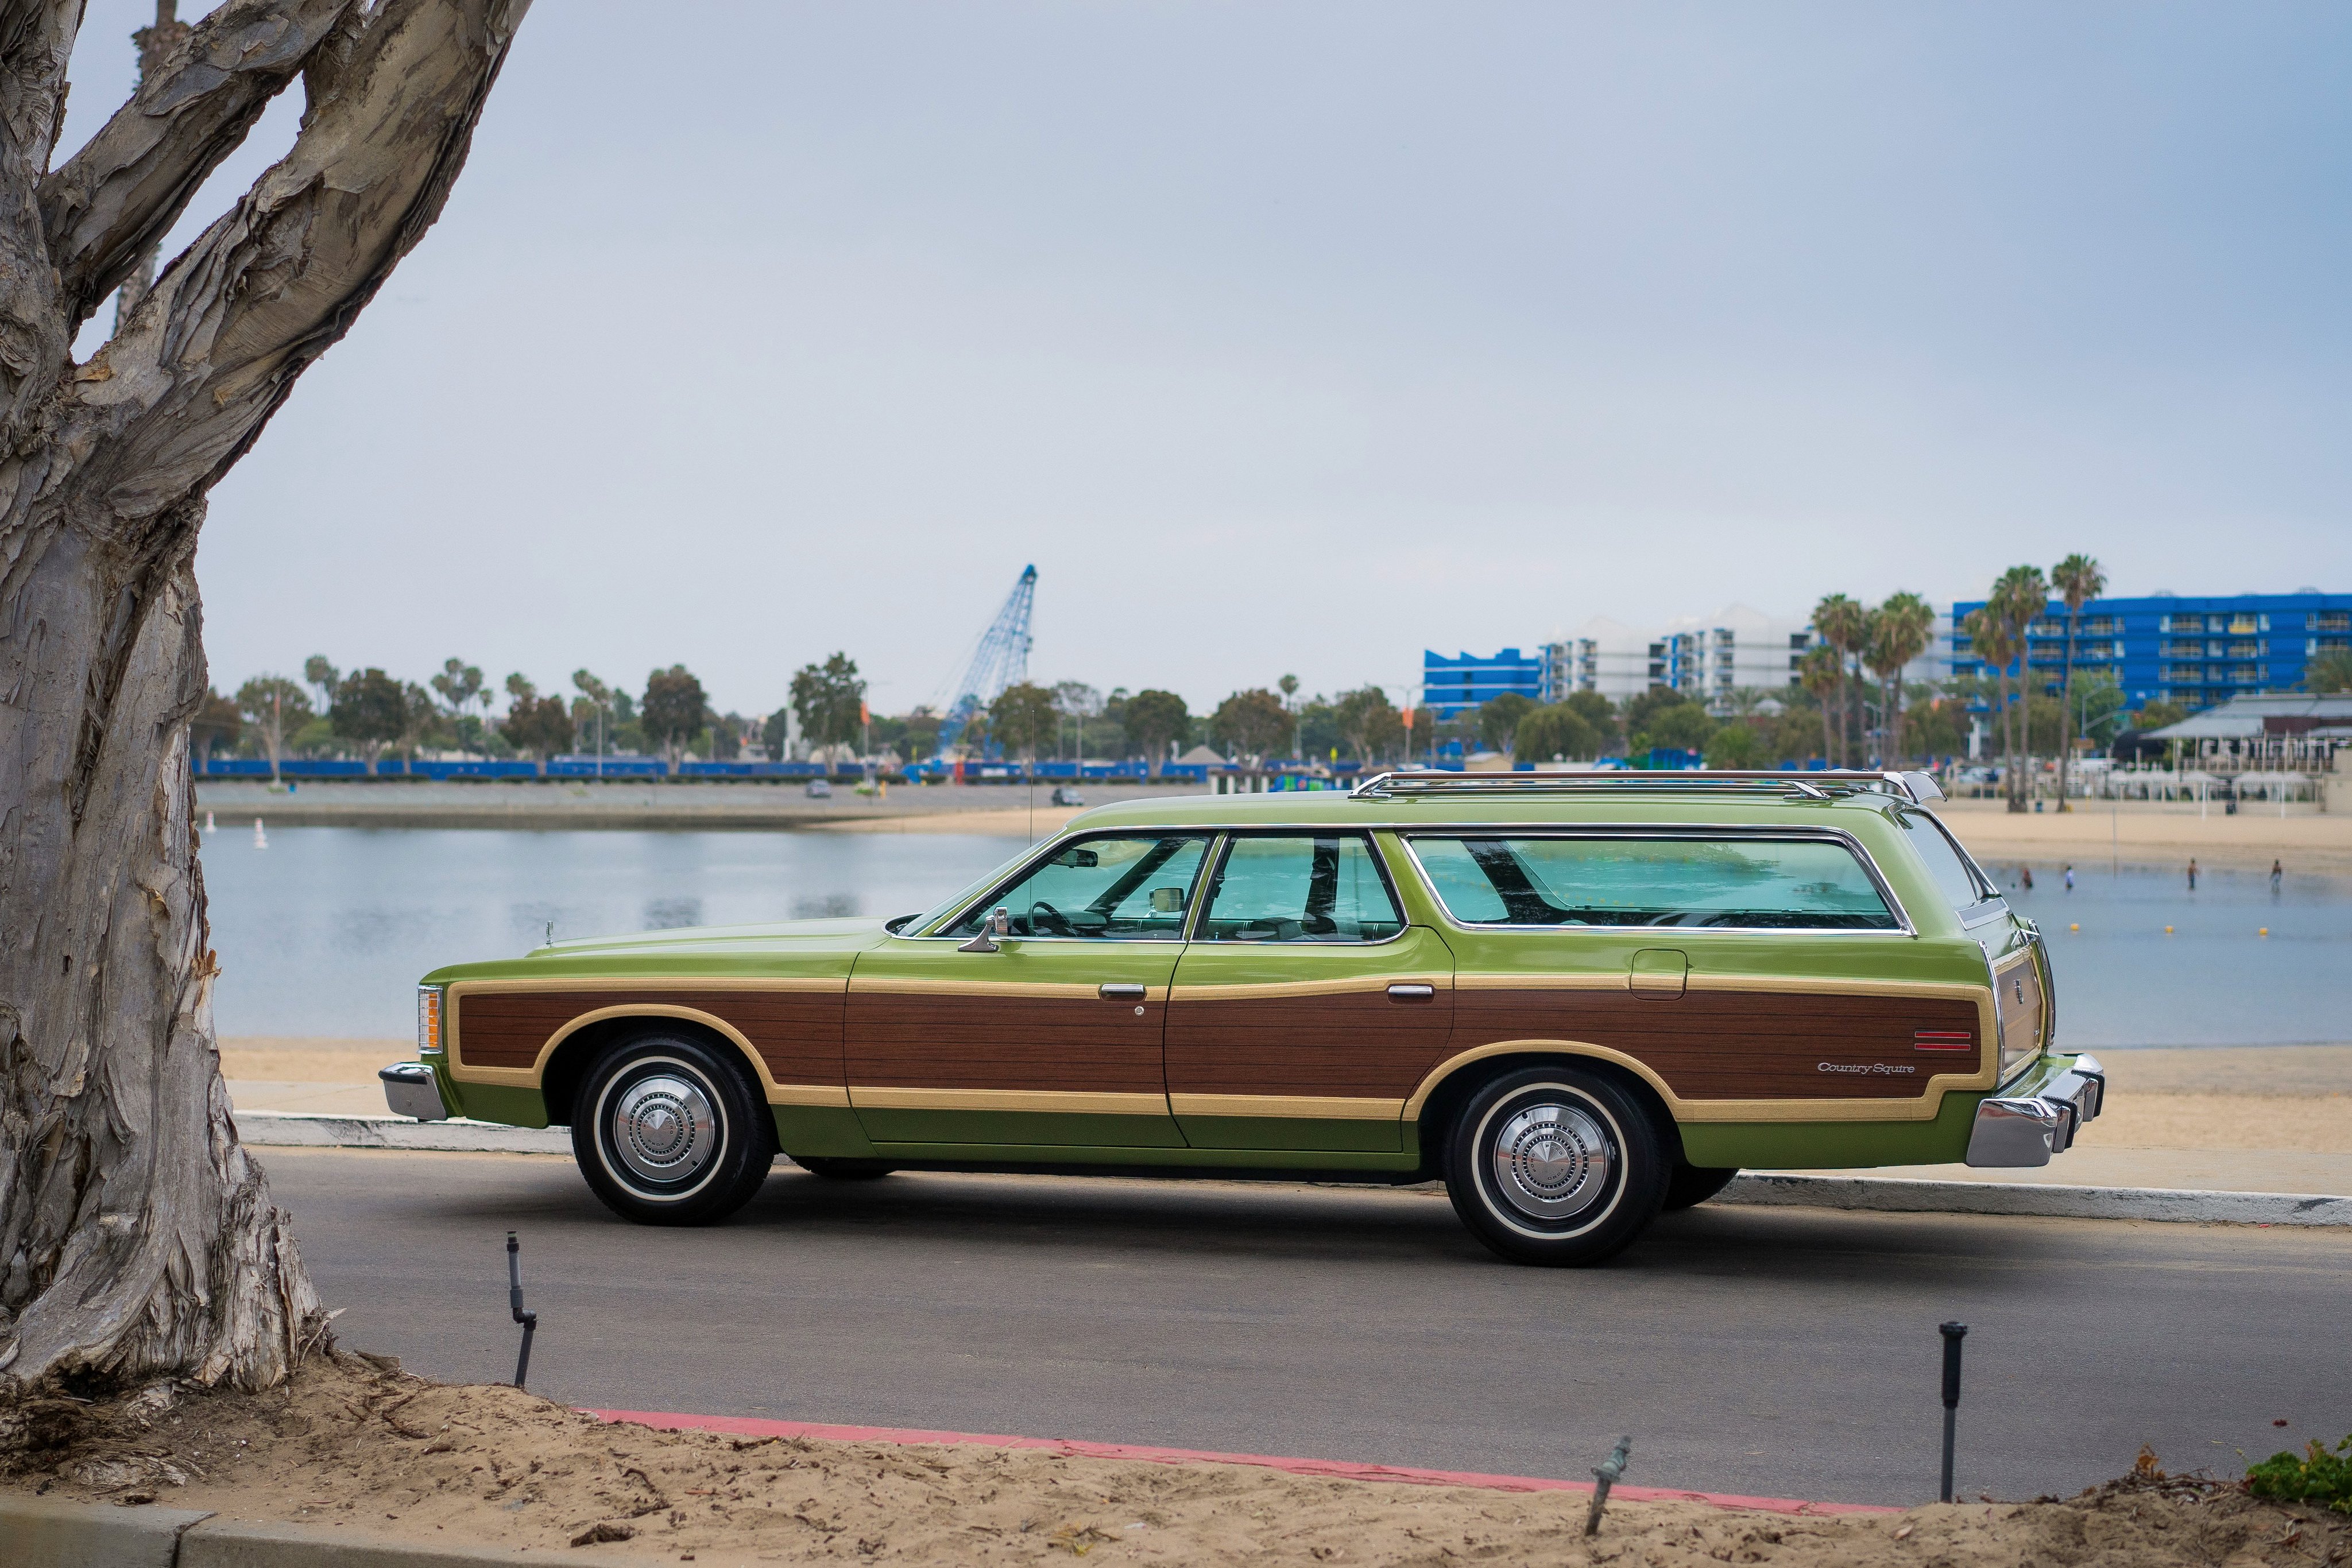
(1987, 636)
(1843, 624)
(1899, 631)
(2078, 579)
(1822, 672)
(2019, 598)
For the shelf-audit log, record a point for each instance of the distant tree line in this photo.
(1847, 703)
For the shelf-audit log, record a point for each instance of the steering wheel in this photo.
(1061, 922)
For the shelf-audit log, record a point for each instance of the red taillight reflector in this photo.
(1942, 1038)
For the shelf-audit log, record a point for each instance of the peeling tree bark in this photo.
(137, 1238)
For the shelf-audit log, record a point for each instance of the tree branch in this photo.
(114, 200)
(184, 388)
(35, 39)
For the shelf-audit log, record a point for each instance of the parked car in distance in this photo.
(1580, 1000)
(1067, 795)
(819, 789)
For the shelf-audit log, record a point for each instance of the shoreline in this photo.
(2135, 834)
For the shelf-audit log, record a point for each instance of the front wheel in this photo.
(669, 1131)
(1555, 1165)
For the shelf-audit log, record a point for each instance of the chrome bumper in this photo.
(2026, 1129)
(411, 1090)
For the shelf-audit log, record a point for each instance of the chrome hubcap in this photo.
(1551, 1162)
(664, 1128)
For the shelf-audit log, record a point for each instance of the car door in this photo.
(1050, 1035)
(1305, 1009)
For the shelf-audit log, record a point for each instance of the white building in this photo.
(1704, 658)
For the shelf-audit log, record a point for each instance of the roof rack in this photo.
(1786, 784)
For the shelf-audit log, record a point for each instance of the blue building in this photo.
(2192, 652)
(1450, 685)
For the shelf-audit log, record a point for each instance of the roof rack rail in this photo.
(1789, 784)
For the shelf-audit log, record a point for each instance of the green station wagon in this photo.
(1576, 998)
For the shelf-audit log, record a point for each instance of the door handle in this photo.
(1120, 993)
(1407, 992)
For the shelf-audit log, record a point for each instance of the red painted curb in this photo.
(745, 1427)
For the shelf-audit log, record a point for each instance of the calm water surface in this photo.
(325, 932)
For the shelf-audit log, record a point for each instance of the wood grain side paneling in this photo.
(1080, 1044)
(1740, 1045)
(796, 1033)
(1355, 1044)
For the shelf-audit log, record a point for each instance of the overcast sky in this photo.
(1288, 337)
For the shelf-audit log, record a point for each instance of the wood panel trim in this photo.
(1922, 1107)
(1060, 990)
(1291, 1107)
(823, 1095)
(1244, 990)
(1064, 1102)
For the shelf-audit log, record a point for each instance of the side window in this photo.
(1738, 882)
(1297, 888)
(1961, 886)
(1129, 889)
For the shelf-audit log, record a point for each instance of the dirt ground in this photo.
(355, 1442)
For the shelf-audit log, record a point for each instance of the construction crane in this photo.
(1001, 659)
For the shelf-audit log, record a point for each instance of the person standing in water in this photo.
(2278, 872)
(2029, 877)
(2070, 876)
(2192, 874)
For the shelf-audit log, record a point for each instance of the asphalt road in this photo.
(1779, 1351)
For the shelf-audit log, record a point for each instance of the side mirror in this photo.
(1167, 901)
(999, 924)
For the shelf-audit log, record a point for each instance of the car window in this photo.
(1300, 888)
(1772, 884)
(1960, 885)
(1129, 888)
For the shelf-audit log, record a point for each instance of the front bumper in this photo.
(411, 1089)
(2040, 1115)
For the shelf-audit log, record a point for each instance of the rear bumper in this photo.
(2040, 1115)
(411, 1089)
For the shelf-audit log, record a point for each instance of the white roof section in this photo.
(2241, 717)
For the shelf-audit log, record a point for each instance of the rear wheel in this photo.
(1693, 1184)
(669, 1131)
(1555, 1165)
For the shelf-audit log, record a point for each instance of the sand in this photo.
(2139, 833)
(355, 1443)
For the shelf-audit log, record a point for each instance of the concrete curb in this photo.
(325, 1130)
(320, 1130)
(110, 1535)
(2178, 1206)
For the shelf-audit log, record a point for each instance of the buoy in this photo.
(2077, 926)
(2167, 931)
(2263, 932)
(261, 839)
(208, 824)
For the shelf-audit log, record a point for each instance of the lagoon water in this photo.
(325, 932)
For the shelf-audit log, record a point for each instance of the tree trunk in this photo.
(137, 1237)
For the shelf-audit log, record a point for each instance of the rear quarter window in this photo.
(1957, 879)
(1749, 884)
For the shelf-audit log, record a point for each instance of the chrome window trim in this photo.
(1380, 864)
(940, 930)
(1903, 925)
